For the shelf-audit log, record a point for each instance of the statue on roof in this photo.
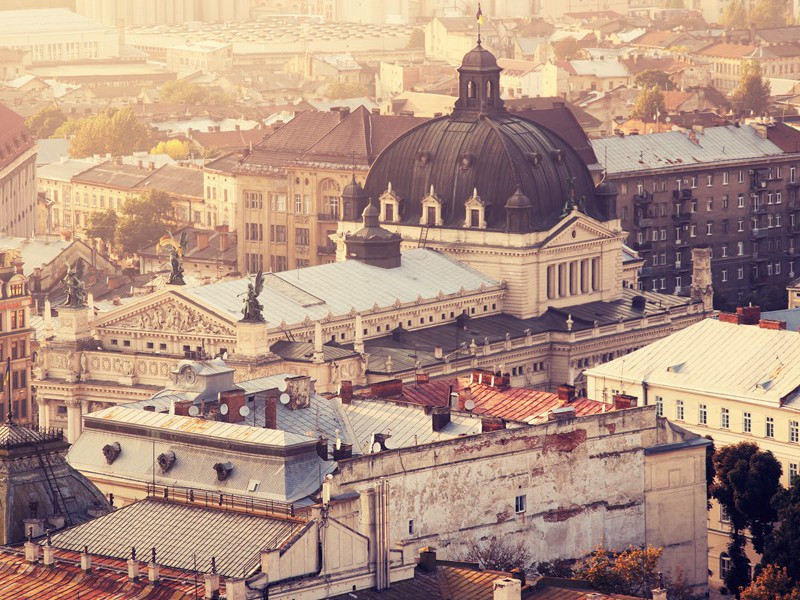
(176, 249)
(73, 285)
(253, 310)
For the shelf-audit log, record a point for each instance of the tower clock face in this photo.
(189, 376)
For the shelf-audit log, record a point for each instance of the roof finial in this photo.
(389, 187)
(432, 192)
(479, 16)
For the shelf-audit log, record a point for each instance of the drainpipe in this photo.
(644, 393)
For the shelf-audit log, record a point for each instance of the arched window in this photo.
(329, 191)
(471, 90)
(490, 92)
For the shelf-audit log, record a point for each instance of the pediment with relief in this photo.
(169, 316)
(581, 229)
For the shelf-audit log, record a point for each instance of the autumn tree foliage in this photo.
(633, 571)
(772, 583)
(115, 131)
(751, 96)
(649, 105)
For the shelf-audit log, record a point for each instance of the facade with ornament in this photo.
(480, 240)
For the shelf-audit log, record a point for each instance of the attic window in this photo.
(252, 485)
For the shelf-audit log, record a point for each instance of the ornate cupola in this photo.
(518, 209)
(354, 200)
(372, 244)
(479, 84)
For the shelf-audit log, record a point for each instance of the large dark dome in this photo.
(483, 147)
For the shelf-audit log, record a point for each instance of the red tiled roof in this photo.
(723, 50)
(229, 140)
(511, 403)
(674, 98)
(14, 136)
(107, 580)
(661, 39)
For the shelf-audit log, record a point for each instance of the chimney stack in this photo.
(86, 560)
(492, 424)
(427, 559)
(622, 401)
(271, 412)
(133, 566)
(749, 315)
(507, 588)
(440, 417)
(343, 451)
(153, 574)
(346, 391)
(566, 392)
(771, 324)
(212, 582)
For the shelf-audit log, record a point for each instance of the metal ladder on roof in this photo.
(423, 236)
(58, 500)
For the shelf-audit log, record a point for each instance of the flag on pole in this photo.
(7, 375)
(479, 16)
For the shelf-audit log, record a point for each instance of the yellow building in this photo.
(735, 378)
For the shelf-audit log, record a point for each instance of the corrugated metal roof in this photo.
(600, 68)
(183, 536)
(724, 359)
(35, 252)
(675, 149)
(198, 427)
(338, 287)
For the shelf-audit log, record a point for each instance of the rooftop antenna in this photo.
(479, 17)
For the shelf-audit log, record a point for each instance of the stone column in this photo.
(44, 412)
(74, 421)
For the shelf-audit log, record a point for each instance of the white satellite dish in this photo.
(282, 385)
(244, 411)
(285, 398)
(469, 404)
(193, 411)
(223, 409)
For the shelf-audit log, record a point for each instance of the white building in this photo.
(56, 35)
(133, 13)
(208, 57)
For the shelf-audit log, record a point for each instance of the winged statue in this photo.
(253, 311)
(74, 286)
(176, 250)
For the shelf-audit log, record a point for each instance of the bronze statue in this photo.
(74, 286)
(253, 311)
(176, 249)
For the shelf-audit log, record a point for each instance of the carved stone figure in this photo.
(74, 286)
(84, 363)
(175, 252)
(253, 311)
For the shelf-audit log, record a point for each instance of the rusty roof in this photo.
(107, 580)
(728, 50)
(14, 136)
(512, 403)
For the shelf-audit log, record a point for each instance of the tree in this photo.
(566, 49)
(497, 555)
(184, 92)
(45, 121)
(782, 546)
(772, 583)
(337, 90)
(711, 471)
(103, 225)
(175, 149)
(769, 13)
(649, 105)
(144, 220)
(735, 15)
(633, 571)
(116, 132)
(654, 78)
(751, 96)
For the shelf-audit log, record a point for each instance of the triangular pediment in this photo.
(167, 313)
(577, 228)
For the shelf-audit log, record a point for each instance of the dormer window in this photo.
(431, 210)
(390, 206)
(476, 212)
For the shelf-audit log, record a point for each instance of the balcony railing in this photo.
(327, 217)
(682, 217)
(759, 234)
(328, 250)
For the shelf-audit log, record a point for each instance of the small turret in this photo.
(372, 244)
(518, 212)
(354, 200)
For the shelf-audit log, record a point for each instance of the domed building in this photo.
(500, 193)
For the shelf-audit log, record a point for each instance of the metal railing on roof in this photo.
(19, 436)
(227, 502)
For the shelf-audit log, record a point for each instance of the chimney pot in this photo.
(133, 569)
(507, 589)
(346, 391)
(440, 417)
(86, 560)
(749, 315)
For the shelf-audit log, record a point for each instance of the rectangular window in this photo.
(740, 200)
(301, 236)
(725, 177)
(679, 410)
(520, 504)
(702, 416)
(747, 422)
(725, 419)
(792, 473)
(659, 406)
(794, 431)
(280, 233)
(770, 428)
(411, 527)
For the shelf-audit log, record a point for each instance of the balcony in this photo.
(645, 222)
(642, 199)
(760, 258)
(760, 210)
(643, 246)
(682, 218)
(329, 250)
(330, 217)
(684, 194)
(759, 234)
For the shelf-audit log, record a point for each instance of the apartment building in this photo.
(733, 378)
(727, 60)
(15, 338)
(731, 188)
(18, 196)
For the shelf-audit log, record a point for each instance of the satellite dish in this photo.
(244, 411)
(193, 411)
(376, 447)
(469, 404)
(223, 409)
(285, 398)
(282, 386)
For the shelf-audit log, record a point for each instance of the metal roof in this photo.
(35, 252)
(339, 287)
(185, 537)
(677, 149)
(64, 170)
(723, 359)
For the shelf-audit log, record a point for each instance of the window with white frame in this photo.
(747, 422)
(740, 200)
(724, 517)
(794, 431)
(769, 430)
(724, 274)
(702, 414)
(520, 503)
(679, 410)
(725, 418)
(659, 406)
(726, 176)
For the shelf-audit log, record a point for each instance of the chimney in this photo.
(387, 389)
(153, 574)
(566, 392)
(771, 324)
(48, 553)
(506, 588)
(346, 391)
(343, 451)
(212, 582)
(519, 574)
(235, 399)
(561, 413)
(133, 566)
(749, 315)
(271, 412)
(181, 408)
(202, 238)
(732, 318)
(622, 401)
(31, 550)
(427, 559)
(492, 424)
(464, 395)
(423, 378)
(151, 166)
(376, 111)
(236, 589)
(440, 417)
(224, 240)
(86, 560)
(322, 448)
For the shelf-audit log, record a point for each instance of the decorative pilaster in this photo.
(74, 420)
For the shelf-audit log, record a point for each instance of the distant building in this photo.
(132, 13)
(450, 38)
(18, 195)
(210, 256)
(56, 35)
(556, 9)
(206, 57)
(728, 59)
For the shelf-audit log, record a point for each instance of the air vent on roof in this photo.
(676, 368)
(111, 451)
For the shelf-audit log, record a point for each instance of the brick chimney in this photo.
(346, 391)
(224, 240)
(271, 412)
(732, 318)
(440, 417)
(749, 315)
(622, 401)
(771, 324)
(387, 389)
(492, 424)
(202, 238)
(566, 392)
(235, 399)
